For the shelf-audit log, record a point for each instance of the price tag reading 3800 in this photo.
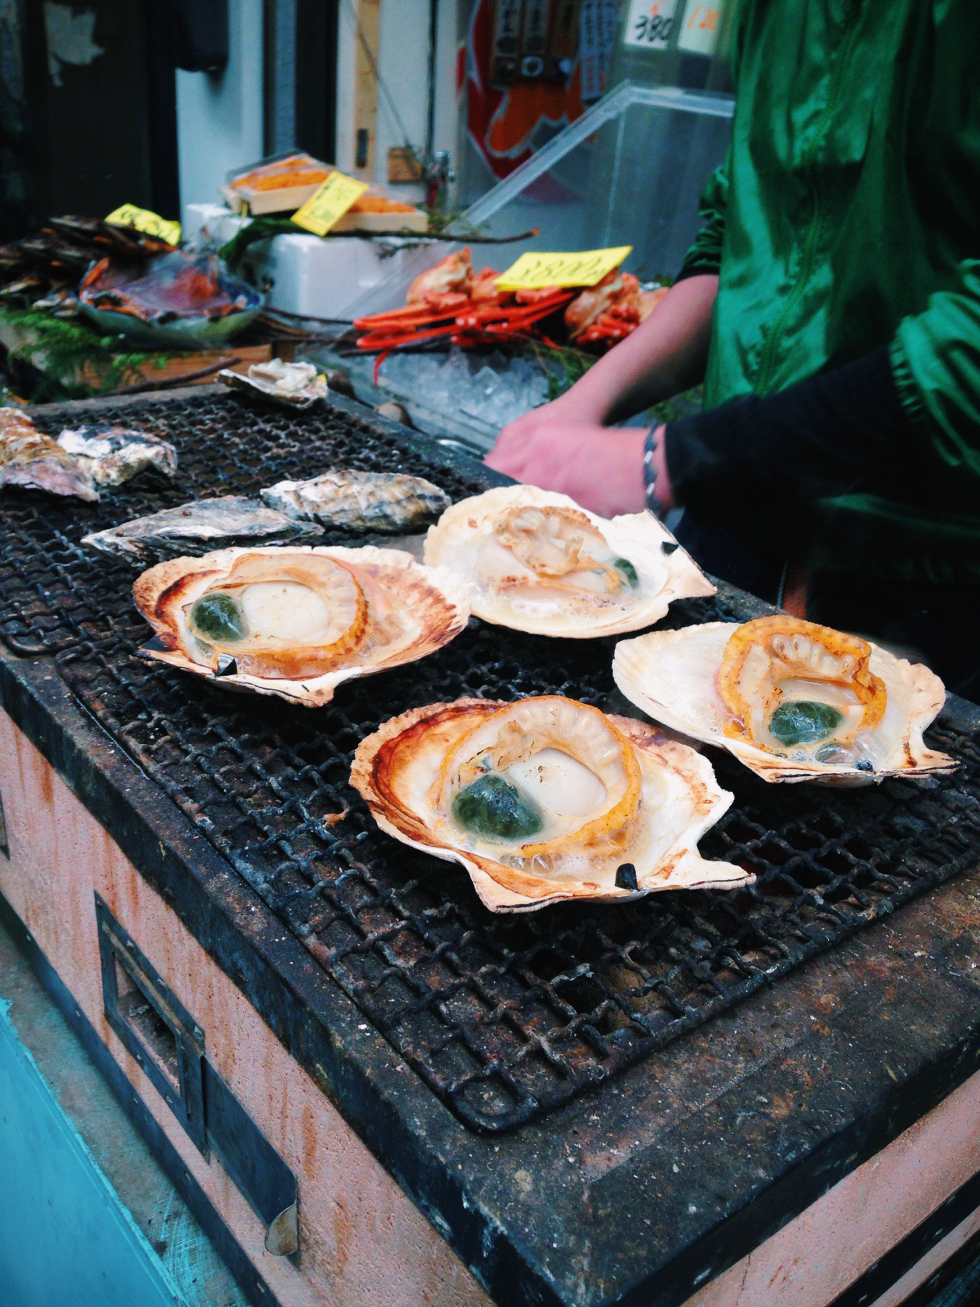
(650, 24)
(535, 271)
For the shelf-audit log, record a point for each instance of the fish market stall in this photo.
(376, 1074)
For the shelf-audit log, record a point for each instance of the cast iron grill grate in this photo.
(504, 1017)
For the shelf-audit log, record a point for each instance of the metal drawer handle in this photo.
(168, 1044)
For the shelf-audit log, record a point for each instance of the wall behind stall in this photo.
(219, 115)
(401, 52)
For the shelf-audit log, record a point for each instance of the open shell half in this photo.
(297, 622)
(535, 561)
(545, 799)
(757, 689)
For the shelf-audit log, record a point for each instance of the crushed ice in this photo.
(494, 396)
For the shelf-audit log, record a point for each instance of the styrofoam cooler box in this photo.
(318, 278)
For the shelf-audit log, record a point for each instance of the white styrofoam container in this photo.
(319, 278)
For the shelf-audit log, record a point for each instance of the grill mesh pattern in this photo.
(503, 1016)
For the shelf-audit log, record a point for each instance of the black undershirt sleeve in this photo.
(837, 433)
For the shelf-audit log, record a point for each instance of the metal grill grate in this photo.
(503, 1016)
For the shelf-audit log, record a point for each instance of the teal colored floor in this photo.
(87, 1218)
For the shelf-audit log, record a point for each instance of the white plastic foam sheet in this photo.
(339, 277)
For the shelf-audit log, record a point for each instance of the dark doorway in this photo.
(100, 107)
(301, 76)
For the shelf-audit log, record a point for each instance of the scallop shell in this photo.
(545, 604)
(674, 676)
(638, 837)
(383, 609)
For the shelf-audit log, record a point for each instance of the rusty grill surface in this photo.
(504, 1017)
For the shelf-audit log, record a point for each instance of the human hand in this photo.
(601, 468)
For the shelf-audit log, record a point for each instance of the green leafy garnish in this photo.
(493, 807)
(803, 722)
(217, 617)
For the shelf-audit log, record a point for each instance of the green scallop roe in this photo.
(216, 616)
(803, 722)
(628, 570)
(492, 807)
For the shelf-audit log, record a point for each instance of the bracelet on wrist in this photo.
(649, 472)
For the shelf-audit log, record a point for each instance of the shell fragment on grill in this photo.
(792, 700)
(203, 525)
(113, 455)
(297, 384)
(36, 462)
(537, 562)
(545, 799)
(361, 501)
(297, 622)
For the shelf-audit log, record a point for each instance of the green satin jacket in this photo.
(847, 216)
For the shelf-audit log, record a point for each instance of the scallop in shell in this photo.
(297, 622)
(545, 799)
(537, 562)
(793, 700)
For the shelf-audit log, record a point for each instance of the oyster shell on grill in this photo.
(545, 799)
(792, 700)
(297, 384)
(361, 501)
(204, 524)
(36, 462)
(113, 455)
(297, 622)
(537, 562)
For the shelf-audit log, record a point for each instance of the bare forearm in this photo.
(665, 355)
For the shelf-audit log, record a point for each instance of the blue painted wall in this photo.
(66, 1239)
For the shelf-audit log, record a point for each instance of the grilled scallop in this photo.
(792, 700)
(297, 622)
(545, 799)
(535, 561)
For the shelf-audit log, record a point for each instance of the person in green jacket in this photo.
(831, 305)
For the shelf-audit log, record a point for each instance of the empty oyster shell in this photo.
(545, 799)
(204, 524)
(537, 562)
(297, 384)
(36, 462)
(792, 700)
(361, 501)
(113, 455)
(297, 622)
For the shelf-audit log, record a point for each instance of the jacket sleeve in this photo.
(705, 254)
(935, 360)
(840, 432)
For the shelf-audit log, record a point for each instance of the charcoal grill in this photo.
(505, 1018)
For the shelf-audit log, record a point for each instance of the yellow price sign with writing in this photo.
(329, 203)
(128, 215)
(535, 271)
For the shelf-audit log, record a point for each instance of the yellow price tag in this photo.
(534, 271)
(128, 215)
(329, 203)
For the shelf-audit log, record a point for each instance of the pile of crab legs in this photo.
(451, 300)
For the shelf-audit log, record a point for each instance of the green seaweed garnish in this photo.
(628, 570)
(800, 721)
(217, 617)
(492, 807)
